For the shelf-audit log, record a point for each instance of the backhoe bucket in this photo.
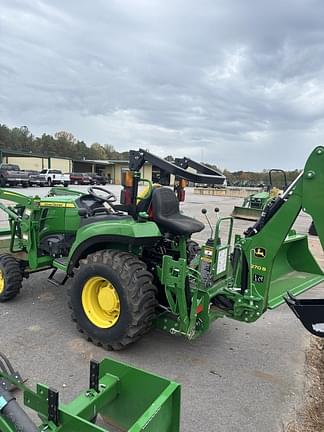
(310, 312)
(246, 213)
(294, 270)
(144, 402)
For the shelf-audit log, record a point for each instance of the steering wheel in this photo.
(107, 196)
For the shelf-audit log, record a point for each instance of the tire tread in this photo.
(139, 290)
(13, 277)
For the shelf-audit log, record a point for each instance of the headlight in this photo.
(25, 236)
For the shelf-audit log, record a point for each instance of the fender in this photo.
(125, 231)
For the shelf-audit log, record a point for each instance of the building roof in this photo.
(102, 162)
(119, 160)
(8, 152)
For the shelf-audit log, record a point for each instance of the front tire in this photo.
(112, 298)
(10, 277)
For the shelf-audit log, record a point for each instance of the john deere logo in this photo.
(260, 252)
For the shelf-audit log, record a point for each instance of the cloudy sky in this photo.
(236, 83)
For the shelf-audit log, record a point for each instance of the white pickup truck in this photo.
(55, 177)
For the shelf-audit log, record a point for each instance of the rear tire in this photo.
(128, 277)
(10, 277)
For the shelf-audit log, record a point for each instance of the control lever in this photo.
(204, 212)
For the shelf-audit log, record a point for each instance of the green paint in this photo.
(264, 267)
(120, 400)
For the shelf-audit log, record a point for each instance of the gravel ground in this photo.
(237, 377)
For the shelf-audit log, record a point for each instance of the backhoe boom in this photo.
(271, 258)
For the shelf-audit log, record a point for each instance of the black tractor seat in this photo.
(166, 214)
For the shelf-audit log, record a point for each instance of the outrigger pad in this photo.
(309, 311)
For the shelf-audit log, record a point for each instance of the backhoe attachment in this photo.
(310, 312)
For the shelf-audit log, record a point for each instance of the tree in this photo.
(97, 151)
(66, 136)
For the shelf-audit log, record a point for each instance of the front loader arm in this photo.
(14, 213)
(16, 197)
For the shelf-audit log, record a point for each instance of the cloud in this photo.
(238, 84)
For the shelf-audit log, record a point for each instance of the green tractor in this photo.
(134, 265)
(254, 204)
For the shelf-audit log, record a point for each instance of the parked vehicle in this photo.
(36, 179)
(79, 178)
(12, 175)
(55, 177)
(97, 179)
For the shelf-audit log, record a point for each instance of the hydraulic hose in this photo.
(270, 209)
(10, 410)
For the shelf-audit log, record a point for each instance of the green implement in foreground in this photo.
(133, 266)
(126, 399)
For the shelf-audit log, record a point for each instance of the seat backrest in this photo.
(144, 204)
(164, 203)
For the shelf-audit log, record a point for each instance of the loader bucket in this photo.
(294, 270)
(310, 312)
(247, 213)
(144, 402)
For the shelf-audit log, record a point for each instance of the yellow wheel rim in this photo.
(2, 282)
(100, 302)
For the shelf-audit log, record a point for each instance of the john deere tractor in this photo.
(254, 204)
(133, 265)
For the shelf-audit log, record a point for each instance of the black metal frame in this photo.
(186, 162)
(137, 159)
